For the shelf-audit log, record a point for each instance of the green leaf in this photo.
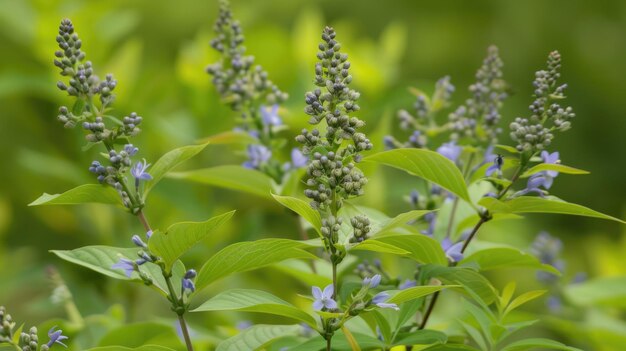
(606, 291)
(400, 220)
(231, 177)
(529, 344)
(249, 255)
(247, 300)
(87, 193)
(302, 208)
(378, 246)
(181, 237)
(475, 334)
(468, 278)
(416, 292)
(101, 258)
(553, 167)
(504, 257)
(256, 337)
(354, 345)
(425, 164)
(529, 204)
(452, 347)
(340, 343)
(421, 337)
(522, 299)
(139, 334)
(230, 137)
(170, 161)
(420, 247)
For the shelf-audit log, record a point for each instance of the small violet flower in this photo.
(453, 251)
(138, 242)
(496, 167)
(535, 181)
(257, 155)
(379, 300)
(324, 299)
(372, 282)
(298, 160)
(407, 284)
(139, 171)
(187, 281)
(127, 265)
(450, 150)
(130, 149)
(550, 158)
(56, 337)
(270, 115)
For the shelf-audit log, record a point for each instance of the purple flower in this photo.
(450, 150)
(498, 161)
(324, 299)
(139, 171)
(56, 337)
(414, 197)
(243, 325)
(257, 155)
(453, 251)
(379, 300)
(297, 158)
(407, 284)
(130, 149)
(149, 234)
(550, 158)
(534, 182)
(372, 282)
(187, 281)
(137, 241)
(431, 219)
(270, 115)
(389, 142)
(554, 303)
(127, 265)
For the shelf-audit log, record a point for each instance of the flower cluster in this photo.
(547, 115)
(323, 299)
(28, 341)
(144, 255)
(478, 118)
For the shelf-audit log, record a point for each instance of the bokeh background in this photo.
(158, 50)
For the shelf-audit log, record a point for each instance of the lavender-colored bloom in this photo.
(372, 282)
(431, 219)
(498, 161)
(257, 155)
(491, 194)
(130, 149)
(453, 251)
(450, 150)
(550, 158)
(554, 303)
(579, 278)
(534, 182)
(243, 325)
(407, 284)
(298, 159)
(139, 171)
(56, 337)
(379, 300)
(270, 115)
(324, 299)
(187, 281)
(127, 265)
(389, 142)
(190, 274)
(414, 197)
(149, 234)
(137, 241)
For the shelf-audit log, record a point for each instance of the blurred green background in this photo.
(158, 50)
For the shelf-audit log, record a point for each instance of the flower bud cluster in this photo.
(478, 118)
(547, 115)
(237, 80)
(29, 340)
(361, 226)
(6, 325)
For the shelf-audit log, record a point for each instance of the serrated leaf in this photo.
(170, 161)
(421, 337)
(181, 237)
(101, 258)
(426, 164)
(256, 337)
(249, 255)
(231, 177)
(416, 292)
(553, 167)
(529, 204)
(302, 208)
(421, 248)
(378, 246)
(87, 193)
(529, 344)
(504, 257)
(248, 300)
(606, 291)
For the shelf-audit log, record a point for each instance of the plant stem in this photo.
(176, 302)
(328, 344)
(334, 281)
(473, 233)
